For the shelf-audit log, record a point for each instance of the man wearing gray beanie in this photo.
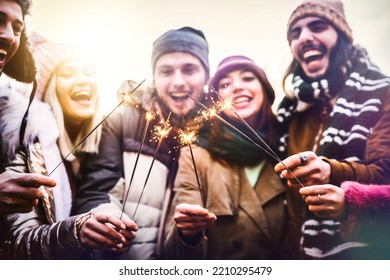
(180, 69)
(336, 117)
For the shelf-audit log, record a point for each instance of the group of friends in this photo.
(309, 181)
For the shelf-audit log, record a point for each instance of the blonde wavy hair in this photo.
(91, 143)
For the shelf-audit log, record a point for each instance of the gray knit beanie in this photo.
(185, 39)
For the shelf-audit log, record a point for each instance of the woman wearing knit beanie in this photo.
(239, 210)
(336, 117)
(116, 177)
(48, 231)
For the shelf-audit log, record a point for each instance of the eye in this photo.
(190, 69)
(248, 77)
(165, 71)
(65, 72)
(294, 33)
(17, 28)
(318, 26)
(224, 83)
(89, 71)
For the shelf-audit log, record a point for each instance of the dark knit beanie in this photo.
(331, 10)
(236, 62)
(185, 39)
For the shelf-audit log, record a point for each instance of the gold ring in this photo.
(318, 198)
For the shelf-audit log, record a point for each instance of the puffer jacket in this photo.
(251, 222)
(105, 182)
(35, 235)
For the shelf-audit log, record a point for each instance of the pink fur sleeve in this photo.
(368, 213)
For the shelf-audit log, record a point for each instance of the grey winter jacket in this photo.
(106, 177)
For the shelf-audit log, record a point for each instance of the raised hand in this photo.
(106, 232)
(19, 192)
(307, 167)
(191, 219)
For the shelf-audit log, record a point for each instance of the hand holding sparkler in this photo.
(192, 219)
(105, 232)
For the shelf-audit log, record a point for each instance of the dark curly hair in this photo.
(21, 67)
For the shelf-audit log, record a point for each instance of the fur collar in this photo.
(14, 98)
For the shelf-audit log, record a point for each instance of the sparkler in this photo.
(186, 138)
(100, 123)
(213, 112)
(161, 132)
(228, 104)
(149, 116)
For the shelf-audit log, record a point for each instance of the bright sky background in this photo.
(118, 34)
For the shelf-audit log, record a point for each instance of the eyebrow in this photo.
(16, 21)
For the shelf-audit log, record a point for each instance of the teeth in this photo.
(82, 94)
(241, 99)
(3, 54)
(311, 53)
(179, 94)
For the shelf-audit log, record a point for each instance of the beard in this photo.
(178, 121)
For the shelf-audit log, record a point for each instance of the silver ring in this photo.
(304, 158)
(318, 198)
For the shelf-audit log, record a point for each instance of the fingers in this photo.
(326, 201)
(304, 169)
(293, 161)
(191, 219)
(33, 180)
(102, 232)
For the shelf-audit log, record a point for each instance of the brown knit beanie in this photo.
(331, 10)
(48, 56)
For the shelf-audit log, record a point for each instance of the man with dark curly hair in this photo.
(18, 191)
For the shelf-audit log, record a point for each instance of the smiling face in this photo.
(177, 74)
(312, 40)
(11, 27)
(77, 90)
(246, 92)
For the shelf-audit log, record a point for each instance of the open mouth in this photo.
(3, 54)
(312, 53)
(84, 95)
(179, 96)
(241, 100)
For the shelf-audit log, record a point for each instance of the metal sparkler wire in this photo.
(149, 116)
(161, 133)
(187, 139)
(100, 123)
(214, 114)
(269, 151)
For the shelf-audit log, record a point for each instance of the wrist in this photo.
(78, 225)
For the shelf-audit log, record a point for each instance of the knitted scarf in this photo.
(352, 119)
(223, 141)
(354, 114)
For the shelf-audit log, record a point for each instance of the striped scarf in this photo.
(352, 119)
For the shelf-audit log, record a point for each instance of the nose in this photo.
(7, 33)
(237, 85)
(178, 79)
(306, 35)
